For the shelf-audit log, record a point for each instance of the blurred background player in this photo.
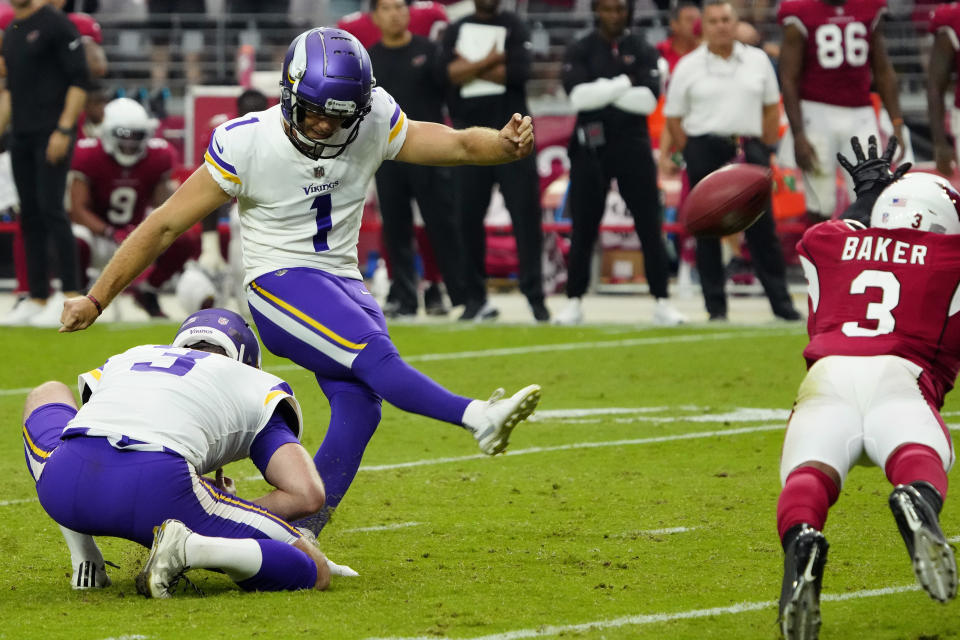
(613, 80)
(427, 19)
(46, 82)
(154, 420)
(831, 52)
(723, 99)
(116, 178)
(408, 66)
(945, 25)
(488, 67)
(684, 37)
(883, 352)
(308, 161)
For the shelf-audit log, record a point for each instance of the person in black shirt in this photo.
(503, 71)
(46, 74)
(408, 67)
(613, 79)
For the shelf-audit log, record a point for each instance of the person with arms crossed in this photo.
(482, 93)
(408, 66)
(945, 25)
(299, 171)
(130, 462)
(613, 79)
(884, 350)
(115, 178)
(832, 50)
(47, 78)
(723, 96)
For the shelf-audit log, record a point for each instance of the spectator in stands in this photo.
(613, 80)
(47, 78)
(408, 67)
(487, 57)
(116, 177)
(181, 17)
(724, 96)
(944, 58)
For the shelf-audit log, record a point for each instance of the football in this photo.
(727, 201)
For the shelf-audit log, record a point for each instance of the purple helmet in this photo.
(223, 328)
(326, 71)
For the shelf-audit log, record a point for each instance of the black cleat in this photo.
(803, 564)
(540, 311)
(933, 560)
(148, 301)
(433, 301)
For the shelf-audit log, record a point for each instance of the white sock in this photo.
(474, 416)
(239, 558)
(82, 547)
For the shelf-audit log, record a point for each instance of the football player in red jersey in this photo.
(831, 51)
(944, 61)
(115, 178)
(884, 350)
(427, 18)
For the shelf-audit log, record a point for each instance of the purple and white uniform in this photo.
(300, 212)
(156, 418)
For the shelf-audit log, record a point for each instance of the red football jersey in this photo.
(836, 59)
(885, 292)
(946, 18)
(84, 23)
(424, 18)
(121, 194)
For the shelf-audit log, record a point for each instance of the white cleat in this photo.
(502, 415)
(167, 561)
(20, 314)
(571, 314)
(49, 315)
(89, 574)
(666, 315)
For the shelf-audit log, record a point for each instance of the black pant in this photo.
(40, 187)
(520, 186)
(432, 187)
(591, 170)
(703, 155)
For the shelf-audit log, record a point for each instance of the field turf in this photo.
(638, 503)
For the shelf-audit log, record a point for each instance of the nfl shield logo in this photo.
(318, 172)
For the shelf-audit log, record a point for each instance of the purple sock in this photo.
(381, 367)
(354, 416)
(284, 568)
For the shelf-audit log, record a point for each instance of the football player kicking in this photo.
(130, 462)
(300, 171)
(114, 179)
(884, 350)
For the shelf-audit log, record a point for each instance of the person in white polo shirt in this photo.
(722, 99)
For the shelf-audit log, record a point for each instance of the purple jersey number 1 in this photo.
(323, 206)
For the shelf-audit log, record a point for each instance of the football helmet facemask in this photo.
(326, 72)
(125, 131)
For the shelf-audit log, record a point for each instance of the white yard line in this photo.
(654, 618)
(7, 503)
(384, 527)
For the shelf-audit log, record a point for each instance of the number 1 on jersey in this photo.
(322, 205)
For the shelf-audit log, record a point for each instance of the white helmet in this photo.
(195, 290)
(922, 201)
(125, 130)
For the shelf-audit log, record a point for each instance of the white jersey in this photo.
(203, 406)
(295, 211)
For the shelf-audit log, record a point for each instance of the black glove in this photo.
(872, 172)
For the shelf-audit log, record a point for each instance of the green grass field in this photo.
(638, 503)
